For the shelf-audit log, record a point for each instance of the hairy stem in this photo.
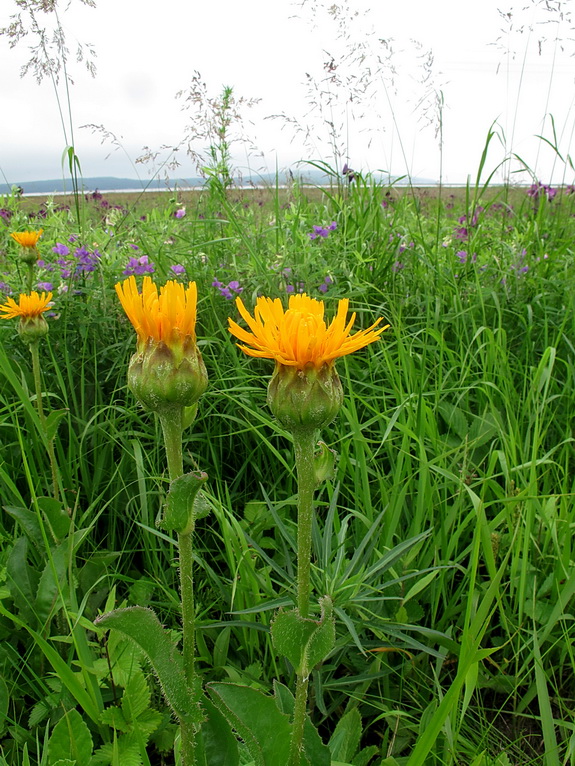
(171, 420)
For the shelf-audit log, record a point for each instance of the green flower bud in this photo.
(161, 376)
(32, 328)
(305, 399)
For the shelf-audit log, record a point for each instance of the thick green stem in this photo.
(304, 448)
(171, 420)
(304, 445)
(42, 417)
(298, 721)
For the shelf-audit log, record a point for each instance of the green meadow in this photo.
(442, 535)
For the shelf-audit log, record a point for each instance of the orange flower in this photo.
(29, 306)
(169, 316)
(300, 336)
(167, 369)
(27, 238)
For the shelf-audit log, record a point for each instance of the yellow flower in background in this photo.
(28, 307)
(27, 238)
(299, 336)
(167, 369)
(168, 315)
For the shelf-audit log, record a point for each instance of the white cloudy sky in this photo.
(489, 66)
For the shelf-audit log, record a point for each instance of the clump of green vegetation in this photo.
(443, 536)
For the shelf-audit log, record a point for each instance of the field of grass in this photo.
(443, 537)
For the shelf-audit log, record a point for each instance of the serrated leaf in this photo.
(143, 627)
(455, 419)
(264, 729)
(113, 716)
(38, 713)
(148, 722)
(57, 516)
(122, 752)
(136, 697)
(70, 739)
(305, 642)
(126, 658)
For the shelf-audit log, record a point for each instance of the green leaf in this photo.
(144, 628)
(53, 584)
(70, 739)
(114, 717)
(305, 642)
(179, 510)
(344, 742)
(136, 697)
(29, 523)
(217, 745)
(57, 516)
(22, 580)
(53, 421)
(265, 730)
(363, 758)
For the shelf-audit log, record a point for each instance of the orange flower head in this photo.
(305, 392)
(30, 308)
(300, 337)
(168, 316)
(27, 238)
(167, 368)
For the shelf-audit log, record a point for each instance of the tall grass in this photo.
(444, 537)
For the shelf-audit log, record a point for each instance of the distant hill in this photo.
(109, 183)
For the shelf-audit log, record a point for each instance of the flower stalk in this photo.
(171, 419)
(305, 395)
(167, 375)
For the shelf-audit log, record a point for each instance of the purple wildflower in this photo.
(5, 288)
(87, 261)
(348, 173)
(178, 269)
(397, 266)
(234, 285)
(61, 249)
(537, 190)
(217, 283)
(5, 213)
(139, 266)
(47, 286)
(227, 294)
